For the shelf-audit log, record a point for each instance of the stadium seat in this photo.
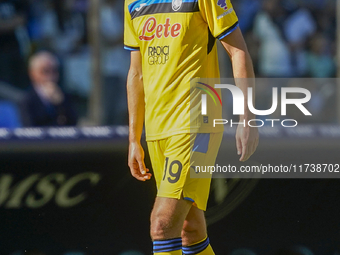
(9, 115)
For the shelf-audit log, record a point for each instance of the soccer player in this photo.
(172, 42)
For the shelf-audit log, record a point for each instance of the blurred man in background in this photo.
(46, 104)
(12, 26)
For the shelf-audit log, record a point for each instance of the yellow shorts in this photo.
(171, 161)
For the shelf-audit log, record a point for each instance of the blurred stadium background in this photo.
(67, 189)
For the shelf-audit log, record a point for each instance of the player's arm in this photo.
(136, 106)
(247, 138)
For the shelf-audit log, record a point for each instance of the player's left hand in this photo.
(136, 162)
(247, 140)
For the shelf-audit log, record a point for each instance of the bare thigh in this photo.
(167, 217)
(194, 227)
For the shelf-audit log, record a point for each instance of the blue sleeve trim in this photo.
(131, 48)
(228, 31)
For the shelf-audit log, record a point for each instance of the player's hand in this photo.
(136, 162)
(247, 139)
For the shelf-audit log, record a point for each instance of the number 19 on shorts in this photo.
(172, 171)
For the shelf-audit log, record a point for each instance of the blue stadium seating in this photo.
(9, 115)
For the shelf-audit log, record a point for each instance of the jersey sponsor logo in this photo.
(153, 30)
(176, 5)
(222, 4)
(158, 55)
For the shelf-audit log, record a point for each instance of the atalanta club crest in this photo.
(176, 5)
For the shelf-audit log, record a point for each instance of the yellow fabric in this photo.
(207, 251)
(174, 49)
(178, 252)
(198, 241)
(171, 160)
(218, 18)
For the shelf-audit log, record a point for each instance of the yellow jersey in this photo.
(176, 39)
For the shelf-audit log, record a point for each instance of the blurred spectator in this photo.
(298, 28)
(13, 42)
(71, 26)
(274, 55)
(246, 12)
(326, 19)
(46, 104)
(71, 44)
(116, 63)
(58, 25)
(319, 61)
(43, 23)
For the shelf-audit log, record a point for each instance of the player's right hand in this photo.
(136, 162)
